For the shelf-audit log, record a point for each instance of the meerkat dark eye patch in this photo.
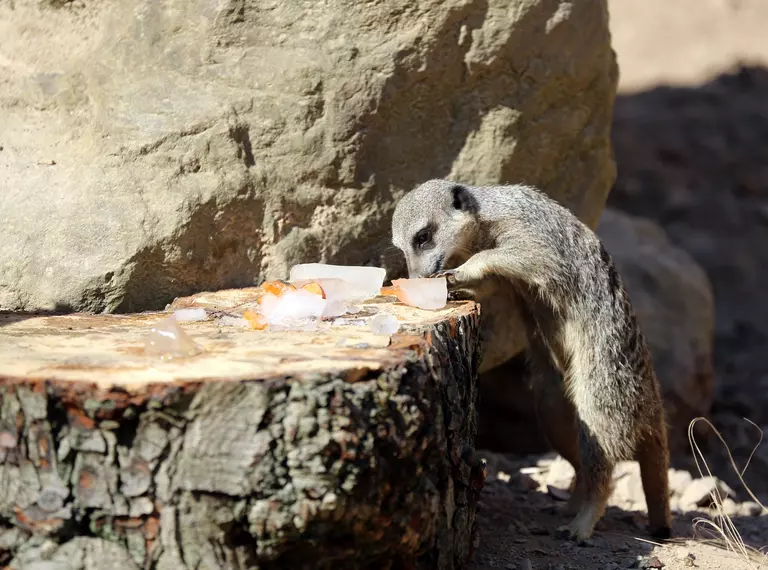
(424, 238)
(463, 200)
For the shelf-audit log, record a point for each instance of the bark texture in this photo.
(363, 467)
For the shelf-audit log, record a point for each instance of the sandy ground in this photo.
(520, 513)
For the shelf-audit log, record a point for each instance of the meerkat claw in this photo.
(460, 295)
(449, 274)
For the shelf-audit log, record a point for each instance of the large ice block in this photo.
(363, 282)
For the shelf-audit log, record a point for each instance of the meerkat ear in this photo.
(463, 200)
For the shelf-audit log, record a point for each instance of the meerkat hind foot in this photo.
(661, 533)
(583, 525)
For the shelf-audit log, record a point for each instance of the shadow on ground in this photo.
(519, 523)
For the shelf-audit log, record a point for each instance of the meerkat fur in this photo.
(595, 389)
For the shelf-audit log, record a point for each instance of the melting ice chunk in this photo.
(188, 315)
(167, 340)
(361, 282)
(384, 324)
(298, 305)
(426, 293)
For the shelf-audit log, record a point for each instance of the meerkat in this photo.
(596, 394)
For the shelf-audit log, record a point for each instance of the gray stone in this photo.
(679, 479)
(150, 150)
(750, 509)
(674, 303)
(699, 492)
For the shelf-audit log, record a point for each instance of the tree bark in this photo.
(269, 450)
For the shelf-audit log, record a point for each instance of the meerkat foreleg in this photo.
(505, 262)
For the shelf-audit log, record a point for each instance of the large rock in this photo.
(152, 149)
(675, 308)
(674, 303)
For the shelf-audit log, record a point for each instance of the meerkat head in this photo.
(434, 226)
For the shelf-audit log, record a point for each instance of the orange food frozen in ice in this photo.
(277, 287)
(257, 321)
(315, 288)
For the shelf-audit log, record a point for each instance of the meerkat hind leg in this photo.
(653, 457)
(556, 415)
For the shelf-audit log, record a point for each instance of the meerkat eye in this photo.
(422, 238)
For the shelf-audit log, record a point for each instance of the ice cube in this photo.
(424, 293)
(189, 315)
(295, 305)
(362, 282)
(384, 324)
(167, 340)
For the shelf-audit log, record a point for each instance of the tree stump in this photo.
(295, 449)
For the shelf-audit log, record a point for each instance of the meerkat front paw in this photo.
(450, 276)
(461, 295)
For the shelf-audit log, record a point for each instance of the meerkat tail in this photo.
(653, 457)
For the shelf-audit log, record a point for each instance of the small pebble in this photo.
(559, 494)
(730, 508)
(699, 491)
(751, 509)
(525, 565)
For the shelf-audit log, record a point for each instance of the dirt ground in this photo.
(519, 517)
(691, 144)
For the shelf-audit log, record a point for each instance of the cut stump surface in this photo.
(293, 449)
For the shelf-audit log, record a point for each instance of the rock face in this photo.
(674, 303)
(149, 150)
